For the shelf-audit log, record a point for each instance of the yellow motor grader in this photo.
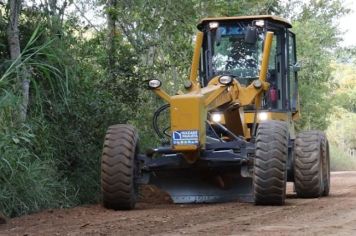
(231, 132)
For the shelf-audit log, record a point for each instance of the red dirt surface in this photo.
(333, 215)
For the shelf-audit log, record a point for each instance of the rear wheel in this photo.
(325, 163)
(118, 167)
(270, 170)
(308, 166)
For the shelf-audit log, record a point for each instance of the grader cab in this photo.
(231, 132)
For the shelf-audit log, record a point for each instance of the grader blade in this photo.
(188, 186)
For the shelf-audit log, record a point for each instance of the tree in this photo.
(316, 27)
(23, 81)
(111, 36)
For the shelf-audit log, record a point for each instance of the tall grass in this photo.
(28, 183)
(340, 161)
(29, 179)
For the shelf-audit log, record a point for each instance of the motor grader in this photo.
(231, 134)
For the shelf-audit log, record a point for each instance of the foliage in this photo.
(342, 129)
(317, 37)
(344, 86)
(68, 115)
(29, 182)
(339, 161)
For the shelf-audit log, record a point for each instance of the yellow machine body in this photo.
(190, 111)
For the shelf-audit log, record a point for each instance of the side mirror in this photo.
(251, 35)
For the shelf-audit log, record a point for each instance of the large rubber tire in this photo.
(118, 167)
(270, 165)
(326, 163)
(308, 167)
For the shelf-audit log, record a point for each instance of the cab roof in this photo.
(276, 19)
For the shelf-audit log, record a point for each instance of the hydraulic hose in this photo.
(155, 123)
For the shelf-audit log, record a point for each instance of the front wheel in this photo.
(118, 168)
(270, 165)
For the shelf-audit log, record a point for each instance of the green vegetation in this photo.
(318, 36)
(340, 160)
(85, 76)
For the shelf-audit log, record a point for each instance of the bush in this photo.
(28, 182)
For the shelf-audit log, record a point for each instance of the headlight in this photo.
(217, 117)
(260, 23)
(257, 84)
(262, 116)
(225, 80)
(213, 25)
(188, 84)
(154, 83)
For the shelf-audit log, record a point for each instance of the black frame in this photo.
(291, 36)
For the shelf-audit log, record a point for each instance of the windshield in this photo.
(232, 55)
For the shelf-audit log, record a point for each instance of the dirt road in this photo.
(334, 215)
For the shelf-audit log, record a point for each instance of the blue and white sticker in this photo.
(186, 137)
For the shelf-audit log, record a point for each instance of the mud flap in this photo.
(191, 186)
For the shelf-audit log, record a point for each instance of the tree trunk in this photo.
(13, 37)
(111, 48)
(13, 30)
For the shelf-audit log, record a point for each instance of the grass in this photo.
(340, 161)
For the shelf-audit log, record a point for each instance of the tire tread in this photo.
(307, 176)
(117, 167)
(270, 163)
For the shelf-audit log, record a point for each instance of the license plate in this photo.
(186, 137)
